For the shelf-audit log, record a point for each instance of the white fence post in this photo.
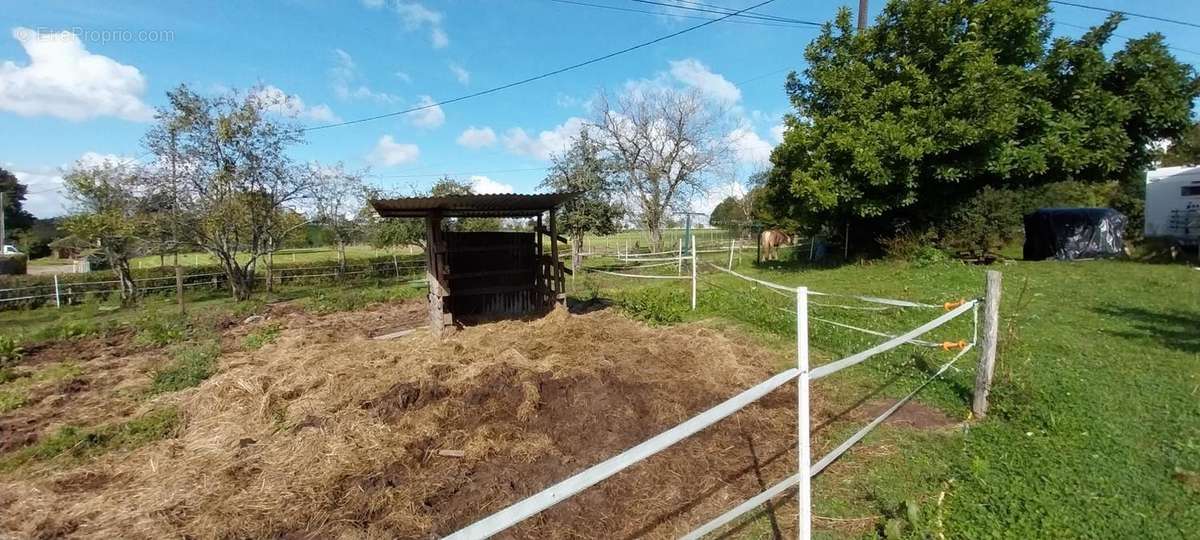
(693, 271)
(396, 264)
(804, 528)
(57, 300)
(679, 256)
(732, 244)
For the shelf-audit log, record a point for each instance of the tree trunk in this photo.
(341, 249)
(129, 291)
(238, 279)
(576, 252)
(656, 237)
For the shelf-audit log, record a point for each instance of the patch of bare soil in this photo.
(109, 369)
(912, 414)
(328, 433)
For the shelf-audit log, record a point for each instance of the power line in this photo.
(547, 74)
(1082, 27)
(660, 14)
(728, 11)
(456, 173)
(1131, 14)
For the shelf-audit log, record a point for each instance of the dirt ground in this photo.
(329, 433)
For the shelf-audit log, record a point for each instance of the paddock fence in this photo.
(59, 293)
(803, 374)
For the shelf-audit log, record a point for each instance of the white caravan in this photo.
(1173, 204)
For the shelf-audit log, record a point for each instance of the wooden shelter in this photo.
(479, 275)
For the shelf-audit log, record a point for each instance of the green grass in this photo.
(299, 255)
(15, 385)
(1095, 423)
(190, 366)
(75, 442)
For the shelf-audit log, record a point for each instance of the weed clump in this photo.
(658, 306)
(77, 442)
(191, 366)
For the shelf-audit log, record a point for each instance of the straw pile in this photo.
(330, 434)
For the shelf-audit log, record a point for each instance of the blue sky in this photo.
(90, 95)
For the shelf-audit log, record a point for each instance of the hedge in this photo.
(13, 264)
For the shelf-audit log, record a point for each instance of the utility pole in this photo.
(2, 222)
(862, 15)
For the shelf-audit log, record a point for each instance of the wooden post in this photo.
(987, 348)
(560, 293)
(435, 251)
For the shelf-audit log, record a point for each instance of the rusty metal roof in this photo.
(498, 205)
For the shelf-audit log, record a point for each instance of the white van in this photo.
(9, 249)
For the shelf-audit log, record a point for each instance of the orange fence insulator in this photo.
(951, 305)
(954, 345)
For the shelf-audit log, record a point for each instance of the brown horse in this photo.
(770, 241)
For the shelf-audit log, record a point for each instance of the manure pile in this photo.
(326, 433)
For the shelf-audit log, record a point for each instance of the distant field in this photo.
(288, 255)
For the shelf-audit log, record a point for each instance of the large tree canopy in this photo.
(896, 126)
(15, 217)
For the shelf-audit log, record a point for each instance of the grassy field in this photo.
(1094, 431)
(1095, 426)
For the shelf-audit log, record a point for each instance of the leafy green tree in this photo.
(1185, 150)
(581, 168)
(897, 126)
(110, 211)
(728, 214)
(235, 183)
(16, 218)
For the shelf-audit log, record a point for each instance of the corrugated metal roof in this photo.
(497, 205)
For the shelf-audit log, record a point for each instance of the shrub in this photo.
(918, 248)
(10, 352)
(13, 264)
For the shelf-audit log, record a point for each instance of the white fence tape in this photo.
(890, 344)
(873, 332)
(638, 275)
(561, 491)
(792, 481)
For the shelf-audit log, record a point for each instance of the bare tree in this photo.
(337, 195)
(236, 182)
(665, 144)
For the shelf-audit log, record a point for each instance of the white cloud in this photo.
(404, 77)
(64, 80)
(430, 117)
(716, 194)
(476, 138)
(46, 197)
(566, 101)
(547, 143)
(417, 17)
(460, 73)
(777, 132)
(749, 147)
(277, 101)
(388, 152)
(481, 185)
(347, 82)
(693, 73)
